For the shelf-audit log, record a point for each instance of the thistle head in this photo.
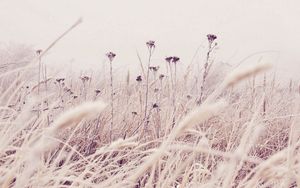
(189, 97)
(161, 76)
(111, 56)
(84, 78)
(172, 59)
(39, 51)
(139, 78)
(211, 38)
(155, 105)
(169, 59)
(154, 69)
(60, 80)
(150, 44)
(175, 59)
(97, 91)
(66, 89)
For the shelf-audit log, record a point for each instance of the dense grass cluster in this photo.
(157, 128)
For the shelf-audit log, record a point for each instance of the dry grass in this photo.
(241, 135)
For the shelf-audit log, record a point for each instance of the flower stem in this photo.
(112, 102)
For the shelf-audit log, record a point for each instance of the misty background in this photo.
(268, 28)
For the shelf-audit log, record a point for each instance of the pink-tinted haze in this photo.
(178, 27)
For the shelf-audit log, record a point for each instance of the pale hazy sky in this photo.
(179, 27)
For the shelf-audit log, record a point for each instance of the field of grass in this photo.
(162, 127)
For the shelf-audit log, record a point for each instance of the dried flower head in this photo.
(161, 76)
(154, 69)
(39, 51)
(150, 44)
(84, 78)
(139, 78)
(211, 38)
(169, 59)
(59, 80)
(67, 90)
(155, 105)
(175, 59)
(97, 91)
(111, 56)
